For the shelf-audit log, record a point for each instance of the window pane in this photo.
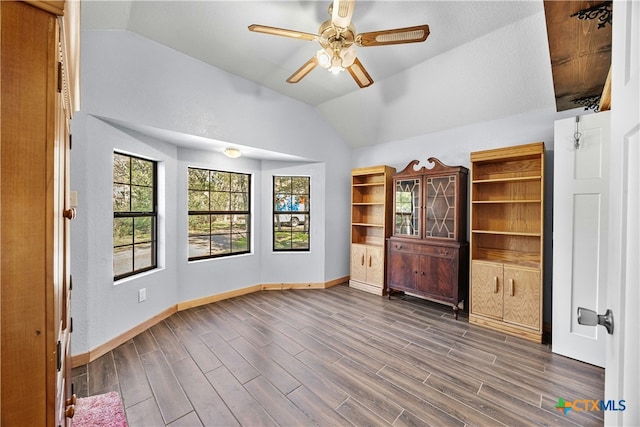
(220, 244)
(220, 201)
(295, 203)
(300, 240)
(121, 198)
(239, 202)
(239, 182)
(239, 242)
(300, 185)
(141, 172)
(141, 199)
(198, 246)
(240, 223)
(143, 256)
(281, 203)
(122, 231)
(142, 230)
(221, 224)
(199, 224)
(282, 240)
(303, 200)
(198, 200)
(121, 171)
(198, 179)
(282, 184)
(122, 260)
(220, 180)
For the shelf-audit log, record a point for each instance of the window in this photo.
(291, 213)
(134, 215)
(219, 213)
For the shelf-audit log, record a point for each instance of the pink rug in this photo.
(102, 410)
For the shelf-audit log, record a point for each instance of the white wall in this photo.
(129, 79)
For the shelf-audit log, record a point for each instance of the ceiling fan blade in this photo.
(342, 12)
(359, 74)
(275, 31)
(415, 34)
(303, 71)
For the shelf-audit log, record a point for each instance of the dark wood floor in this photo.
(337, 357)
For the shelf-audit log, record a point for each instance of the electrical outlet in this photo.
(142, 294)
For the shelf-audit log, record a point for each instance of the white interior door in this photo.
(580, 221)
(622, 375)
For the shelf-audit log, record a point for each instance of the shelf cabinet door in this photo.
(522, 297)
(374, 261)
(487, 289)
(358, 264)
(367, 264)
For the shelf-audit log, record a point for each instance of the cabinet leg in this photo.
(391, 291)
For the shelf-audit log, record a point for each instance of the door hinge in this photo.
(71, 282)
(59, 355)
(70, 141)
(59, 77)
(71, 325)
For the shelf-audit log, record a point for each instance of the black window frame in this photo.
(291, 229)
(133, 214)
(212, 213)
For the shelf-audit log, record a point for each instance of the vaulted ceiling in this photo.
(483, 60)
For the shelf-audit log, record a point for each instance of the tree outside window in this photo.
(291, 218)
(134, 215)
(219, 213)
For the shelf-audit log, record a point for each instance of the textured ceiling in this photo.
(483, 59)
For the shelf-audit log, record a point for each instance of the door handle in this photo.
(69, 213)
(591, 318)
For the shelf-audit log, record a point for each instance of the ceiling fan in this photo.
(338, 39)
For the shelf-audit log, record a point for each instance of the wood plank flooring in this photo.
(337, 357)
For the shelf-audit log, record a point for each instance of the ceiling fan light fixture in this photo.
(324, 58)
(232, 153)
(336, 64)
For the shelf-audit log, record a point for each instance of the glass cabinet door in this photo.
(407, 207)
(441, 207)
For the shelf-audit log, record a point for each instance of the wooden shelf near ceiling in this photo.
(580, 51)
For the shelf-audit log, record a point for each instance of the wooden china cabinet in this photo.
(39, 92)
(427, 255)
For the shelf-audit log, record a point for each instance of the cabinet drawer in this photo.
(423, 249)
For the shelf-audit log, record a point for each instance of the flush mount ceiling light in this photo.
(233, 153)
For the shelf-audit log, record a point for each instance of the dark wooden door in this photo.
(436, 276)
(402, 270)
